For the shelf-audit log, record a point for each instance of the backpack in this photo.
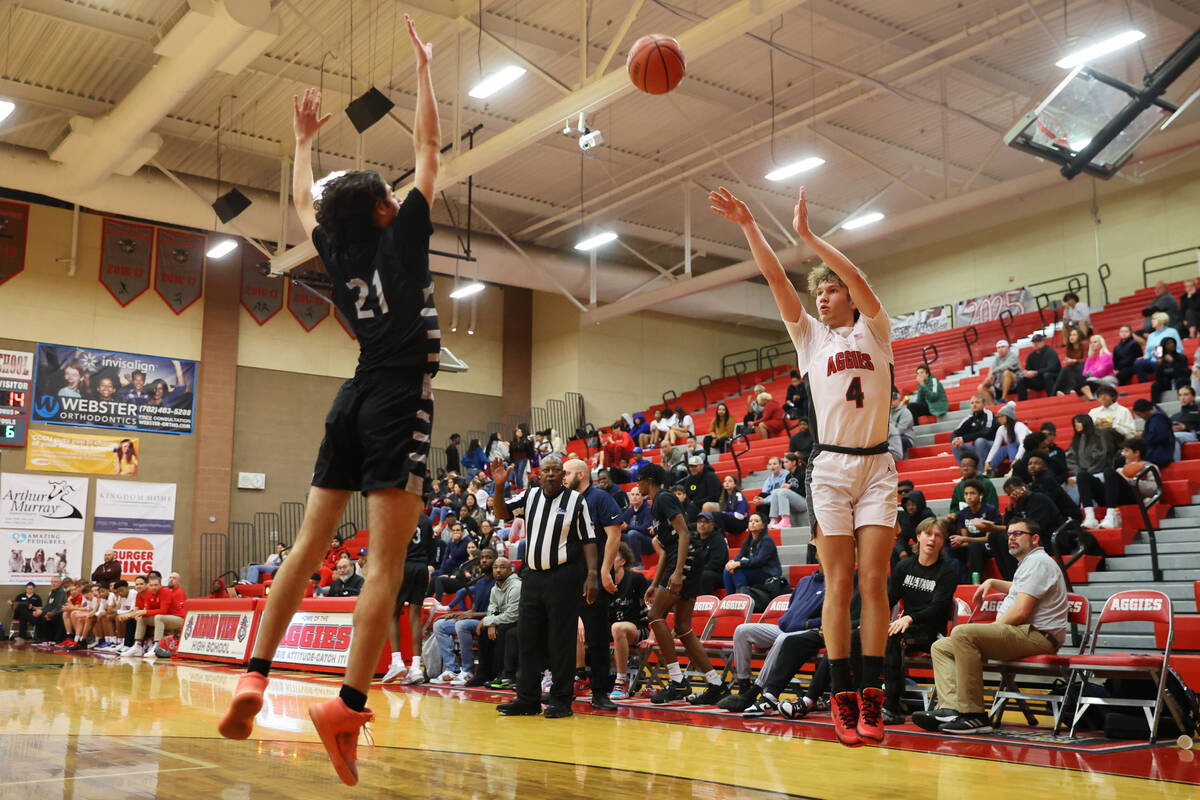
(1133, 726)
(767, 591)
(167, 646)
(431, 655)
(1094, 717)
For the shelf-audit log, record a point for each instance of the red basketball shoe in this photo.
(338, 726)
(238, 720)
(844, 708)
(870, 715)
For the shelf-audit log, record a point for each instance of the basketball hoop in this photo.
(1053, 129)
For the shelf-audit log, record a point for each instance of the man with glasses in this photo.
(1031, 620)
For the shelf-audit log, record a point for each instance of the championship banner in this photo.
(978, 310)
(927, 320)
(42, 502)
(125, 252)
(130, 507)
(262, 295)
(51, 451)
(110, 389)
(178, 267)
(15, 365)
(138, 554)
(219, 630)
(38, 555)
(14, 233)
(306, 306)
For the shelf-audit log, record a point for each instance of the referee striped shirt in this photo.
(556, 528)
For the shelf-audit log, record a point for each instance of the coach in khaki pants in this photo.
(1031, 620)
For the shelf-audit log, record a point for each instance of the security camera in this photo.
(590, 139)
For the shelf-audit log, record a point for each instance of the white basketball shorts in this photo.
(847, 492)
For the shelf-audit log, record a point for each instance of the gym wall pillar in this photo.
(518, 353)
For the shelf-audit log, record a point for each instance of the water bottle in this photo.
(975, 578)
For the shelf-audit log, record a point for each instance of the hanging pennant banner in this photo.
(306, 306)
(125, 253)
(179, 268)
(262, 296)
(14, 232)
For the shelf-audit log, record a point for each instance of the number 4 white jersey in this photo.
(849, 377)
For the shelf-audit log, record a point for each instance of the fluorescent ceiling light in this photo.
(794, 168)
(496, 81)
(1102, 48)
(222, 248)
(466, 290)
(592, 242)
(6, 108)
(864, 220)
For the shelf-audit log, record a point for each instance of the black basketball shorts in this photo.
(691, 572)
(412, 588)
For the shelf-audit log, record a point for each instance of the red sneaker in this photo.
(870, 715)
(338, 726)
(844, 708)
(67, 642)
(238, 720)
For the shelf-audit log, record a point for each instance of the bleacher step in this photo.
(795, 536)
(1142, 562)
(1192, 512)
(1181, 591)
(1172, 535)
(1141, 576)
(1166, 547)
(792, 554)
(1180, 523)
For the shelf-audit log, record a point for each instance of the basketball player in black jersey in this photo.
(375, 247)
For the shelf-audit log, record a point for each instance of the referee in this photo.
(558, 530)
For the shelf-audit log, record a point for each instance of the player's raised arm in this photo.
(734, 210)
(864, 297)
(306, 121)
(426, 128)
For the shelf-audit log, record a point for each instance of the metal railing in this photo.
(749, 359)
(925, 359)
(556, 410)
(703, 384)
(1078, 282)
(970, 336)
(1105, 272)
(291, 514)
(539, 418)
(576, 414)
(355, 514)
(669, 398)
(213, 559)
(498, 428)
(243, 547)
(1044, 304)
(733, 451)
(1152, 265)
(1150, 472)
(1004, 323)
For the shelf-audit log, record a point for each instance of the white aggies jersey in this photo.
(849, 373)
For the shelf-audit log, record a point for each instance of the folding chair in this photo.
(717, 641)
(986, 611)
(1134, 605)
(702, 612)
(775, 610)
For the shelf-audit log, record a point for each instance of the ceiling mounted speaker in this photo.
(368, 109)
(230, 204)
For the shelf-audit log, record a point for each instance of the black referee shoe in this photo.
(602, 702)
(675, 691)
(519, 709)
(558, 711)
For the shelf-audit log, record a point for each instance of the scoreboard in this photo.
(14, 415)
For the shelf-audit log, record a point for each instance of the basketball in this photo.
(1131, 469)
(656, 64)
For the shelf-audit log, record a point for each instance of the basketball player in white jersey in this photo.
(847, 355)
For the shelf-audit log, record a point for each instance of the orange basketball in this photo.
(1132, 468)
(656, 64)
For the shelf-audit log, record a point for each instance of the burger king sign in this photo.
(138, 553)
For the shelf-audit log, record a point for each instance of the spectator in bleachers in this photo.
(1152, 349)
(614, 446)
(1041, 368)
(497, 632)
(720, 433)
(658, 427)
(635, 527)
(1126, 354)
(1032, 620)
(1098, 369)
(1163, 303)
(471, 514)
(770, 423)
(1160, 441)
(701, 482)
(1121, 486)
(1070, 378)
(1189, 304)
(1009, 442)
(913, 509)
(775, 478)
(1076, 316)
(930, 398)
(453, 459)
(360, 566)
(1023, 503)
(801, 440)
(456, 553)
(1003, 375)
(681, 426)
(967, 544)
(1171, 369)
(803, 615)
(466, 574)
(756, 562)
(903, 487)
(346, 584)
(753, 407)
(627, 613)
(968, 468)
(732, 501)
(1186, 423)
(1090, 456)
(1041, 445)
(520, 450)
(461, 626)
(712, 551)
(475, 460)
(979, 424)
(925, 585)
(690, 509)
(496, 448)
(900, 420)
(108, 571)
(1057, 457)
(639, 462)
(1112, 415)
(22, 610)
(787, 502)
(605, 482)
(674, 462)
(795, 404)
(693, 448)
(640, 432)
(254, 572)
(1043, 481)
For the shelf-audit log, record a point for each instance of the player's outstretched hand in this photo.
(422, 50)
(800, 219)
(729, 207)
(307, 119)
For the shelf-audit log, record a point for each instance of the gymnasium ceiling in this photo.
(905, 101)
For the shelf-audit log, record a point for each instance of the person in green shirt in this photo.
(930, 397)
(969, 468)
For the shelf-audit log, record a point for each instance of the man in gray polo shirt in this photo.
(1031, 620)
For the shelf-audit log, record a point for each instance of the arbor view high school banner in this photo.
(14, 231)
(42, 502)
(179, 268)
(111, 389)
(32, 555)
(138, 553)
(130, 507)
(94, 454)
(125, 254)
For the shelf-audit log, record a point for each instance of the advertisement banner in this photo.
(262, 295)
(317, 639)
(218, 634)
(138, 554)
(94, 454)
(306, 306)
(178, 268)
(129, 507)
(110, 389)
(42, 502)
(987, 308)
(37, 555)
(14, 232)
(927, 320)
(15, 365)
(126, 249)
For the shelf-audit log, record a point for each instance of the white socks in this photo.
(621, 676)
(398, 658)
(416, 664)
(675, 673)
(712, 678)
